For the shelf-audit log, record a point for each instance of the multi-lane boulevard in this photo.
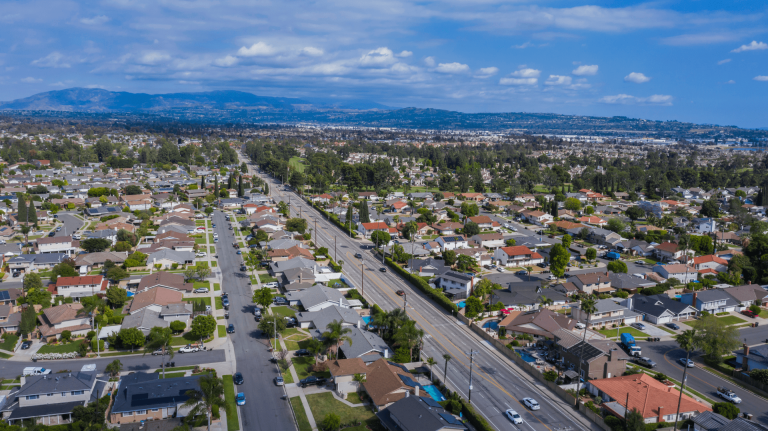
(497, 384)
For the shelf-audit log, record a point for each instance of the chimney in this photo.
(661, 414)
(694, 299)
(745, 361)
(386, 353)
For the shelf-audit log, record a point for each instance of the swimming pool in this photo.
(492, 324)
(461, 304)
(434, 392)
(526, 357)
(367, 319)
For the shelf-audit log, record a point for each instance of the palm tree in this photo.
(587, 306)
(396, 318)
(431, 362)
(160, 338)
(209, 395)
(380, 321)
(687, 341)
(360, 379)
(335, 334)
(446, 358)
(409, 335)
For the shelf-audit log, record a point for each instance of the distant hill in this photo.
(98, 100)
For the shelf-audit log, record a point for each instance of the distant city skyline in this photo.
(701, 62)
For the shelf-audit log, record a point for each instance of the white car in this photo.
(580, 325)
(514, 416)
(271, 284)
(686, 362)
(76, 236)
(201, 290)
(500, 269)
(208, 308)
(215, 235)
(639, 326)
(531, 403)
(201, 254)
(188, 349)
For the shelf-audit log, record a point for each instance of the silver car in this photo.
(531, 403)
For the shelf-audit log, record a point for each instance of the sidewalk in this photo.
(293, 390)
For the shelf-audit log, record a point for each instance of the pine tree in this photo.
(32, 211)
(554, 209)
(364, 217)
(266, 189)
(350, 214)
(216, 188)
(240, 191)
(21, 216)
(202, 183)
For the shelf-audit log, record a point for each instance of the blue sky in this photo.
(703, 61)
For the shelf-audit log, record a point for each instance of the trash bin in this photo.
(35, 359)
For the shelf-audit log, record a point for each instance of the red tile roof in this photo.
(517, 250)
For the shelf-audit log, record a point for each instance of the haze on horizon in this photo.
(703, 61)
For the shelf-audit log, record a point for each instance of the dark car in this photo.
(358, 255)
(26, 345)
(382, 269)
(672, 326)
(238, 378)
(311, 380)
(16, 274)
(302, 352)
(400, 293)
(231, 329)
(52, 234)
(230, 228)
(225, 301)
(243, 268)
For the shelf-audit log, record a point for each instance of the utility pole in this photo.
(334, 249)
(362, 279)
(472, 354)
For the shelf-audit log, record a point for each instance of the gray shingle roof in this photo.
(144, 320)
(363, 344)
(710, 421)
(35, 385)
(320, 319)
(149, 392)
(316, 295)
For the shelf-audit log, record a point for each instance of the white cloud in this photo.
(452, 68)
(558, 80)
(97, 20)
(761, 78)
(727, 60)
(637, 78)
(312, 51)
(31, 80)
(257, 49)
(54, 59)
(378, 57)
(486, 72)
(430, 61)
(753, 46)
(523, 45)
(524, 76)
(701, 38)
(731, 82)
(626, 99)
(585, 70)
(404, 54)
(153, 57)
(226, 61)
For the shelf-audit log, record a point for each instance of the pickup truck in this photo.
(312, 380)
(189, 349)
(728, 395)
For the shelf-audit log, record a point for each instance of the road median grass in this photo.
(233, 422)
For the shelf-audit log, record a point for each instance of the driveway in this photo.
(653, 331)
(71, 224)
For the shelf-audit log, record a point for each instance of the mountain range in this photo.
(98, 100)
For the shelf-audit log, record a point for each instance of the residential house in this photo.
(635, 247)
(528, 295)
(600, 358)
(659, 309)
(368, 228)
(167, 280)
(9, 321)
(593, 220)
(541, 323)
(484, 222)
(604, 237)
(704, 225)
(710, 262)
(343, 373)
(712, 300)
(88, 261)
(749, 294)
(78, 287)
(655, 401)
(316, 298)
(756, 357)
(668, 251)
(517, 256)
(57, 244)
(490, 241)
(607, 313)
(154, 298)
(137, 202)
(34, 262)
(167, 258)
(456, 285)
(155, 315)
(143, 397)
(447, 228)
(277, 268)
(64, 317)
(387, 382)
(429, 267)
(451, 242)
(290, 253)
(419, 413)
(538, 218)
(680, 271)
(593, 282)
(316, 322)
(364, 345)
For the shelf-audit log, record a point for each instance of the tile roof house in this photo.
(710, 262)
(343, 374)
(655, 401)
(77, 287)
(680, 271)
(538, 323)
(667, 251)
(64, 317)
(447, 228)
(154, 297)
(519, 256)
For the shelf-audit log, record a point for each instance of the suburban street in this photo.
(667, 353)
(498, 384)
(70, 224)
(265, 409)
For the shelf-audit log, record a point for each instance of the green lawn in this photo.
(763, 313)
(283, 311)
(61, 348)
(731, 320)
(5, 355)
(301, 365)
(216, 287)
(210, 238)
(266, 278)
(354, 398)
(214, 264)
(650, 261)
(296, 343)
(301, 415)
(212, 249)
(611, 333)
(172, 375)
(219, 305)
(199, 222)
(9, 342)
(206, 299)
(202, 284)
(200, 240)
(175, 369)
(287, 377)
(233, 423)
(296, 163)
(667, 330)
(222, 331)
(323, 404)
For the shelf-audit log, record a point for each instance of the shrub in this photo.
(761, 375)
(175, 266)
(550, 375)
(422, 285)
(515, 343)
(615, 423)
(726, 409)
(331, 422)
(661, 377)
(66, 335)
(177, 326)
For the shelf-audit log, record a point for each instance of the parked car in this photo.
(531, 403)
(672, 326)
(302, 352)
(240, 399)
(188, 349)
(312, 380)
(646, 362)
(272, 284)
(26, 345)
(158, 352)
(686, 362)
(580, 325)
(231, 329)
(521, 272)
(514, 416)
(638, 325)
(243, 267)
(201, 254)
(201, 290)
(16, 274)
(279, 300)
(238, 378)
(279, 381)
(749, 313)
(500, 269)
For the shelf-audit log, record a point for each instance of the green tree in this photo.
(710, 208)
(117, 296)
(131, 337)
(28, 321)
(726, 409)
(558, 259)
(380, 238)
(203, 326)
(94, 245)
(510, 242)
(117, 273)
(296, 225)
(716, 338)
(449, 256)
(336, 333)
(32, 280)
(589, 210)
(409, 336)
(331, 422)
(588, 307)
(617, 266)
(471, 229)
(263, 297)
(465, 263)
(635, 421)
(177, 326)
(208, 397)
(270, 324)
(591, 254)
(21, 212)
(473, 307)
(615, 225)
(133, 190)
(550, 375)
(635, 213)
(572, 204)
(114, 368)
(567, 240)
(160, 338)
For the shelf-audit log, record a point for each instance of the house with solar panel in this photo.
(144, 396)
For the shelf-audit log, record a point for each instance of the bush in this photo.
(422, 285)
(178, 326)
(726, 409)
(515, 343)
(550, 375)
(760, 375)
(175, 266)
(615, 423)
(66, 335)
(331, 422)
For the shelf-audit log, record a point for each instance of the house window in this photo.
(63, 394)
(33, 397)
(49, 395)
(77, 392)
(141, 412)
(155, 410)
(127, 414)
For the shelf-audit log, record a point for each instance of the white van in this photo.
(35, 371)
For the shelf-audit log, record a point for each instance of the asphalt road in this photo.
(497, 383)
(667, 353)
(70, 224)
(11, 369)
(265, 409)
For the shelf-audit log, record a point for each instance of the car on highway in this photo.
(238, 378)
(638, 325)
(400, 293)
(240, 399)
(514, 416)
(382, 269)
(188, 349)
(231, 329)
(531, 403)
(646, 362)
(672, 326)
(201, 290)
(279, 381)
(358, 255)
(686, 362)
(312, 380)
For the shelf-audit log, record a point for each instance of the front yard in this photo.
(323, 404)
(612, 333)
(283, 311)
(301, 365)
(61, 348)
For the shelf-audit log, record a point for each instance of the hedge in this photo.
(333, 218)
(477, 420)
(419, 282)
